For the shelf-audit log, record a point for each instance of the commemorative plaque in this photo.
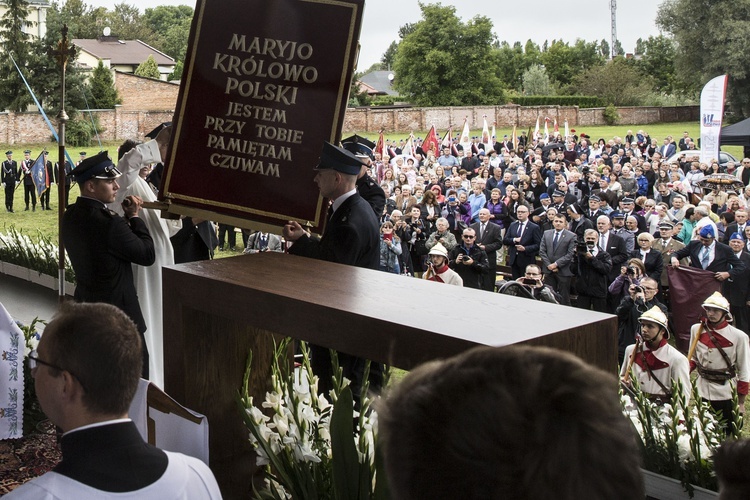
(266, 82)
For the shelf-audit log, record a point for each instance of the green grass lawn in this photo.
(657, 131)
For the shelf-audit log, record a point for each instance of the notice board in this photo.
(265, 83)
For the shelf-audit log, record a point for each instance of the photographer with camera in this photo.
(640, 297)
(469, 261)
(593, 266)
(532, 282)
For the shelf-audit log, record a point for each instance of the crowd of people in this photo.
(595, 225)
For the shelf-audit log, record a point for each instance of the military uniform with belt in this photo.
(9, 178)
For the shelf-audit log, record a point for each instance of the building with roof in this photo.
(36, 23)
(380, 82)
(120, 55)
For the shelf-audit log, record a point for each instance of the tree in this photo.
(389, 55)
(127, 23)
(15, 46)
(563, 62)
(82, 21)
(604, 49)
(148, 68)
(171, 24)
(510, 64)
(657, 61)
(712, 38)
(617, 82)
(443, 62)
(536, 81)
(102, 89)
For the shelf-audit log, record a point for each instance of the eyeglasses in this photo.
(467, 237)
(34, 361)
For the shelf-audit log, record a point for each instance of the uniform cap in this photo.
(27, 151)
(594, 197)
(557, 192)
(717, 301)
(617, 215)
(666, 225)
(339, 159)
(707, 232)
(9, 152)
(439, 249)
(544, 196)
(656, 315)
(96, 167)
(360, 146)
(627, 200)
(736, 236)
(155, 132)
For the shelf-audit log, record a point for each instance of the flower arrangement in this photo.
(41, 256)
(32, 411)
(678, 439)
(312, 447)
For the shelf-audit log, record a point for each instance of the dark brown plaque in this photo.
(265, 83)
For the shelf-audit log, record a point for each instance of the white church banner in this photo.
(712, 114)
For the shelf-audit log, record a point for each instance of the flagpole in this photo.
(62, 54)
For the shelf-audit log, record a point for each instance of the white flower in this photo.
(256, 415)
(282, 424)
(273, 400)
(304, 453)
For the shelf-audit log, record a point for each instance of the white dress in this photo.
(148, 279)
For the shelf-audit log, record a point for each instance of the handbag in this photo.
(420, 246)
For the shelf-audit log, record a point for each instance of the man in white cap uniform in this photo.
(654, 363)
(719, 353)
(438, 267)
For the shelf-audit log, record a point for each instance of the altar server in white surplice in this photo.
(148, 279)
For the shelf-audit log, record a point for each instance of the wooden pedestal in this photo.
(216, 311)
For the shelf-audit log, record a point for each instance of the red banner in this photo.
(265, 84)
(688, 288)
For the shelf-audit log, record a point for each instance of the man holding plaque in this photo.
(351, 236)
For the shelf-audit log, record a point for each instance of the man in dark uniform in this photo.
(44, 197)
(366, 185)
(351, 236)
(102, 245)
(29, 190)
(9, 179)
(68, 178)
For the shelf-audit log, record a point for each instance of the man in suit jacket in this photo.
(263, 242)
(737, 290)
(613, 244)
(557, 250)
(86, 370)
(489, 239)
(707, 253)
(29, 190)
(9, 178)
(351, 236)
(738, 226)
(667, 149)
(103, 246)
(523, 238)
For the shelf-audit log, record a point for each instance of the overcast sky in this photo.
(519, 21)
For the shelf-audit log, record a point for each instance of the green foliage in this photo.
(581, 101)
(564, 62)
(389, 56)
(176, 74)
(510, 64)
(80, 18)
(442, 61)
(102, 89)
(657, 61)
(148, 68)
(14, 42)
(171, 24)
(79, 131)
(618, 82)
(611, 116)
(536, 81)
(386, 100)
(127, 23)
(711, 38)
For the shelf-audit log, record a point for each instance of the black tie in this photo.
(555, 239)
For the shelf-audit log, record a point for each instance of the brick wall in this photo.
(405, 120)
(145, 94)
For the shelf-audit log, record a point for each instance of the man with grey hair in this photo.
(489, 239)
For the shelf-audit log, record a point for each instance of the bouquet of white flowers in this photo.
(678, 439)
(312, 447)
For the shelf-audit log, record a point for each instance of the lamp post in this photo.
(62, 54)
